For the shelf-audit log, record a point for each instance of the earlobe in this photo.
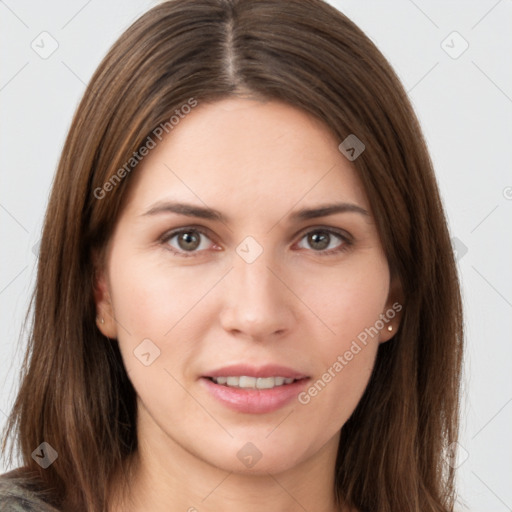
(105, 318)
(107, 328)
(389, 331)
(392, 315)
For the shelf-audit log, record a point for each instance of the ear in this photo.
(105, 318)
(392, 314)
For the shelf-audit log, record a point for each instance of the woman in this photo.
(246, 293)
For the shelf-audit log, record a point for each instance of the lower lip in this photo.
(255, 401)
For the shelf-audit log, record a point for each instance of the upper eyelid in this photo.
(171, 233)
(341, 233)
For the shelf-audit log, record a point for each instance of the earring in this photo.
(102, 321)
(390, 328)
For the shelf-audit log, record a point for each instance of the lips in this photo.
(254, 390)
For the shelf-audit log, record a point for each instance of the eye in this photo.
(186, 241)
(325, 241)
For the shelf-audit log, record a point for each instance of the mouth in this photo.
(254, 390)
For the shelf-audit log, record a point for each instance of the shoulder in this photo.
(17, 494)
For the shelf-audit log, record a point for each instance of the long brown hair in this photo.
(75, 393)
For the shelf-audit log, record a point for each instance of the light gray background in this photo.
(464, 105)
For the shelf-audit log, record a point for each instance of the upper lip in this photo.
(268, 370)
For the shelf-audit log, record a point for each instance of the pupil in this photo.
(319, 240)
(188, 241)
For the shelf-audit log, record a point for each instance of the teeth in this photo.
(265, 383)
(279, 381)
(233, 381)
(245, 382)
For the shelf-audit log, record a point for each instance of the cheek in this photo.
(139, 299)
(349, 304)
(346, 300)
(148, 303)
(150, 298)
(163, 304)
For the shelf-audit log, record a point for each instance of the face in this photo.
(247, 287)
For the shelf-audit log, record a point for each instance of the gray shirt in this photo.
(17, 494)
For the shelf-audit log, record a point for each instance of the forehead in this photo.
(242, 154)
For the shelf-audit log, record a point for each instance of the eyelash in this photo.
(346, 240)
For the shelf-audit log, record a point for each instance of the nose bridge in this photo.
(253, 282)
(256, 302)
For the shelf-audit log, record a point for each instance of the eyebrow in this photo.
(191, 210)
(328, 209)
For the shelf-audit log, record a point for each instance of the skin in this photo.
(257, 163)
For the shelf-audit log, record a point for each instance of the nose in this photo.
(256, 304)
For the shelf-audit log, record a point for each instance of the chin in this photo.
(258, 456)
